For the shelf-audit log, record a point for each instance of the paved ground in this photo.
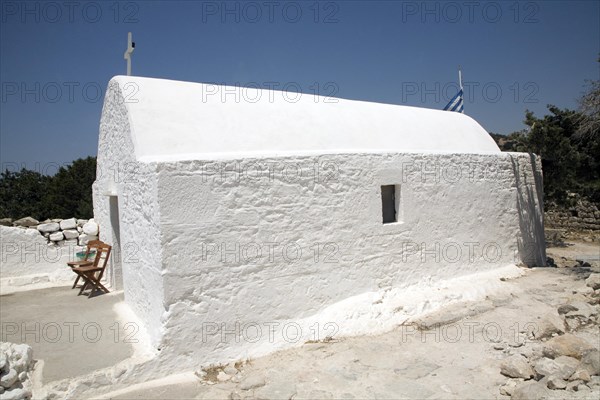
(72, 334)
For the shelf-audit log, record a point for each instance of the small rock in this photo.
(546, 367)
(508, 388)
(580, 375)
(16, 394)
(27, 222)
(81, 222)
(6, 222)
(572, 386)
(593, 281)
(583, 310)
(278, 390)
(566, 345)
(70, 223)
(22, 376)
(516, 367)
(223, 377)
(90, 228)
(572, 324)
(252, 382)
(230, 370)
(70, 234)
(56, 236)
(8, 379)
(84, 239)
(49, 227)
(582, 388)
(567, 365)
(530, 391)
(549, 325)
(1, 389)
(556, 383)
(591, 362)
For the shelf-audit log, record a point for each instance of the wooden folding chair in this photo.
(92, 274)
(90, 250)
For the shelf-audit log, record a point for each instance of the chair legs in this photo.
(75, 283)
(90, 280)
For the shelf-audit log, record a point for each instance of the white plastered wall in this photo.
(174, 211)
(468, 203)
(134, 183)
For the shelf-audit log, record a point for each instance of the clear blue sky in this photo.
(54, 57)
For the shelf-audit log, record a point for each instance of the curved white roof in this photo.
(174, 120)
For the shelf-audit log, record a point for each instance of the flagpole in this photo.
(460, 77)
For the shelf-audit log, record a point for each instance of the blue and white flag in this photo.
(456, 104)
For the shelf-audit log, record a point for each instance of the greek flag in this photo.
(456, 104)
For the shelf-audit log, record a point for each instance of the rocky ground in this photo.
(538, 339)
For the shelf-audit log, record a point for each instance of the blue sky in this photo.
(56, 58)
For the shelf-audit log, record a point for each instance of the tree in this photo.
(22, 194)
(70, 190)
(66, 194)
(589, 105)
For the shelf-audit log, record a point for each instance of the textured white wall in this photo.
(450, 203)
(26, 258)
(134, 183)
(191, 230)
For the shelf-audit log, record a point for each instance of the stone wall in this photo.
(35, 254)
(59, 232)
(583, 216)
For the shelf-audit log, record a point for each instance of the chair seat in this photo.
(90, 268)
(80, 263)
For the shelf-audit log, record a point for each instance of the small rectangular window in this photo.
(390, 197)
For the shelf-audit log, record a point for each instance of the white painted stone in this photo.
(90, 228)
(70, 223)
(8, 379)
(49, 227)
(16, 394)
(71, 234)
(188, 230)
(56, 236)
(84, 239)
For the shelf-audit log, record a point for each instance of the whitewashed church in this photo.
(243, 220)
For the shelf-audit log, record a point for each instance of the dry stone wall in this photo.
(59, 232)
(578, 222)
